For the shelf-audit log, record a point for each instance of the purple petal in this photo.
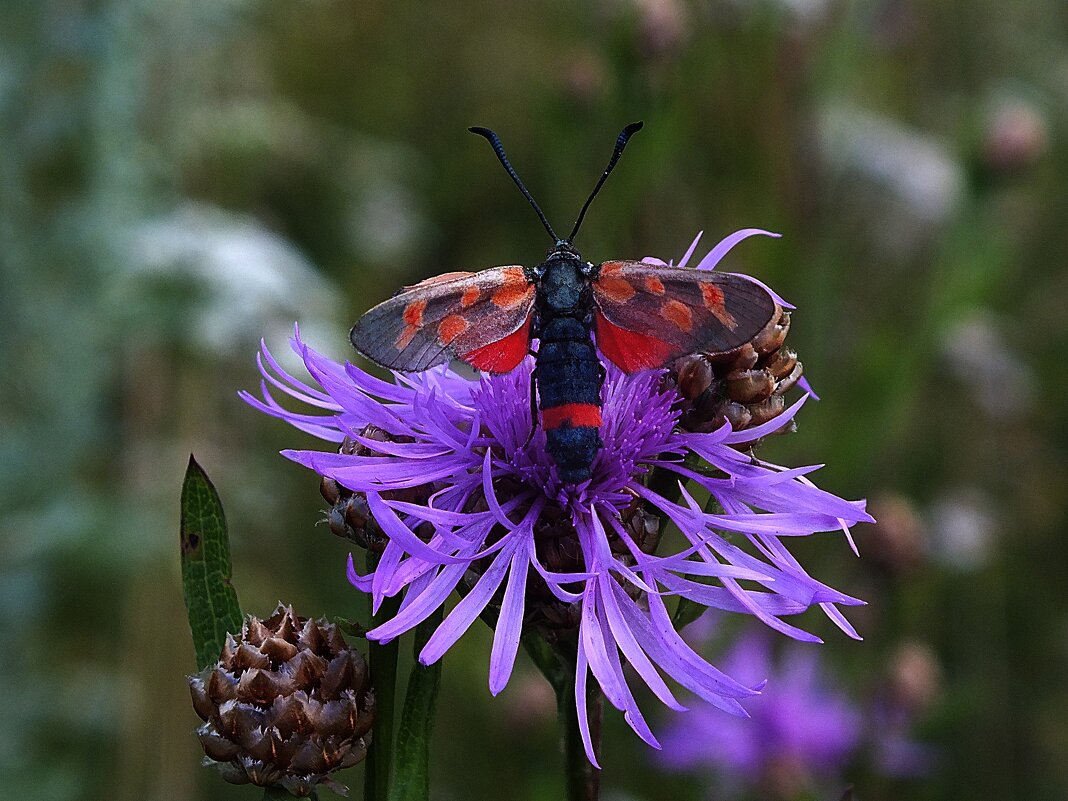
(509, 624)
(402, 535)
(468, 609)
(715, 256)
(689, 251)
(419, 610)
(581, 671)
(624, 638)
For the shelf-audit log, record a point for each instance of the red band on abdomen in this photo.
(572, 414)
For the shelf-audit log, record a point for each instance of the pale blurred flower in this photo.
(915, 677)
(896, 543)
(1015, 136)
(225, 276)
(913, 685)
(978, 356)
(803, 729)
(385, 222)
(962, 525)
(662, 25)
(802, 12)
(905, 181)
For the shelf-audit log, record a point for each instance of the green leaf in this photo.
(411, 780)
(210, 598)
(382, 660)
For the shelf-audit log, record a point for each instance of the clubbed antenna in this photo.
(621, 142)
(498, 148)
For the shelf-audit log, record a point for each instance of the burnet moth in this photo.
(642, 317)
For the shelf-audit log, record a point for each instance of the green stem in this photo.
(583, 779)
(382, 660)
(551, 666)
(411, 781)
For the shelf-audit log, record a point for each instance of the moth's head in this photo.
(563, 250)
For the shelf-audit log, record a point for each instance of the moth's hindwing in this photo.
(480, 318)
(648, 315)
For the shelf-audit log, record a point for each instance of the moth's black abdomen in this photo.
(569, 389)
(573, 449)
(568, 372)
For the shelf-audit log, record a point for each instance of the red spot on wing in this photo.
(712, 296)
(678, 314)
(571, 414)
(471, 294)
(631, 351)
(615, 288)
(413, 313)
(653, 285)
(504, 354)
(405, 337)
(515, 289)
(451, 327)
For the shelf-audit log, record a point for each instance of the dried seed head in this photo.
(744, 387)
(287, 704)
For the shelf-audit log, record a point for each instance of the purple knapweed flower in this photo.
(492, 518)
(801, 730)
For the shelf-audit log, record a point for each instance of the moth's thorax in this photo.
(564, 286)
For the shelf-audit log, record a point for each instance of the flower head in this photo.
(800, 730)
(491, 518)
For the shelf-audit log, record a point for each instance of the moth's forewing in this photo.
(649, 315)
(458, 315)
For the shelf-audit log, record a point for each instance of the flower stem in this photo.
(411, 780)
(583, 779)
(382, 660)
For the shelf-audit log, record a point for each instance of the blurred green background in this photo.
(178, 179)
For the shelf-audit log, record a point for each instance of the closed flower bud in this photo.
(349, 516)
(287, 704)
(745, 387)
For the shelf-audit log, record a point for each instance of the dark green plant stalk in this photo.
(412, 765)
(382, 661)
(583, 779)
(557, 665)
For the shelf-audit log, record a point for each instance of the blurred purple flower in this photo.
(800, 728)
(495, 486)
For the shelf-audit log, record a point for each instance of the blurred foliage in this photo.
(178, 179)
